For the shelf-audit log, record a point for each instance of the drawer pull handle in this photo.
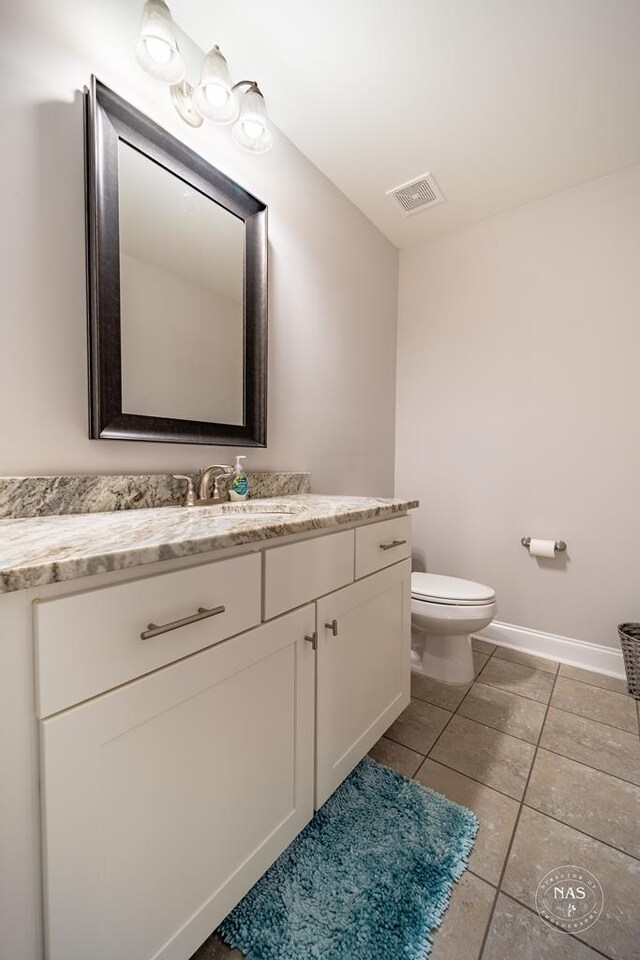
(153, 630)
(390, 546)
(333, 626)
(313, 640)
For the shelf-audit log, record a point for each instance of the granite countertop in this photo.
(40, 550)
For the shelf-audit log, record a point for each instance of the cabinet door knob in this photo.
(333, 626)
(390, 546)
(313, 640)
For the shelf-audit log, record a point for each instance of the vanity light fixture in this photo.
(201, 87)
(251, 131)
(156, 48)
(214, 97)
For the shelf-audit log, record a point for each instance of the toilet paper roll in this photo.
(542, 548)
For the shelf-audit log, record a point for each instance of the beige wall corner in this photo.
(518, 405)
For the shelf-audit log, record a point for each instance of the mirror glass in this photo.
(181, 296)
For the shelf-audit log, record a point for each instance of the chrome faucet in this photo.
(219, 472)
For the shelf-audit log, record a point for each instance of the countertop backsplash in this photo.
(94, 493)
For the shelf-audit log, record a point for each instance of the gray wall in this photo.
(333, 276)
(518, 405)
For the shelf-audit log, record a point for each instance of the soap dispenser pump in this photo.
(239, 486)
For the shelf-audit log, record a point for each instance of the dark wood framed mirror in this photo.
(177, 287)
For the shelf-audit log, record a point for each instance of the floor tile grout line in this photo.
(470, 688)
(555, 673)
(589, 683)
(534, 743)
(563, 823)
(523, 695)
(521, 663)
(614, 693)
(487, 655)
(426, 756)
(386, 736)
(573, 936)
(563, 676)
(468, 777)
(528, 700)
(513, 693)
(593, 719)
(472, 684)
(433, 745)
(453, 712)
(480, 877)
(401, 744)
(414, 696)
(516, 825)
(477, 675)
(590, 766)
(484, 723)
(437, 739)
(487, 727)
(559, 675)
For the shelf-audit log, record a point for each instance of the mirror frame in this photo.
(109, 119)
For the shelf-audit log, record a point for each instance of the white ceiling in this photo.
(503, 101)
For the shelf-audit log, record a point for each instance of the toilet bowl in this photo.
(445, 611)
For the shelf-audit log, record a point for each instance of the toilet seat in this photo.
(450, 591)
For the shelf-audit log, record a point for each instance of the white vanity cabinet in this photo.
(166, 799)
(364, 648)
(176, 768)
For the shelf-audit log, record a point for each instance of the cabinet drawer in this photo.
(299, 572)
(379, 545)
(91, 642)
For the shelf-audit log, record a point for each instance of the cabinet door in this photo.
(363, 672)
(166, 799)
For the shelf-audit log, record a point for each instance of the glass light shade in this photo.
(156, 48)
(213, 97)
(251, 131)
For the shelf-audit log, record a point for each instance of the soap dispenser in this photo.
(239, 486)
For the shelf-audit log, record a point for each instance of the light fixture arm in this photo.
(252, 84)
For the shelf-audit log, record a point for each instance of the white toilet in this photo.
(445, 611)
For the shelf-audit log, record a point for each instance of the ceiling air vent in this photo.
(418, 194)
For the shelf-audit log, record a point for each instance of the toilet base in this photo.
(447, 658)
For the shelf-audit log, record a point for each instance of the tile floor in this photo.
(548, 757)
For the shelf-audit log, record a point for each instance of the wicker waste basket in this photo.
(630, 643)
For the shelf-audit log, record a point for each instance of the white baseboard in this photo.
(579, 653)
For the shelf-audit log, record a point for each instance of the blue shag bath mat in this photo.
(369, 878)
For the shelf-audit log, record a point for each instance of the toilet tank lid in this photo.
(433, 586)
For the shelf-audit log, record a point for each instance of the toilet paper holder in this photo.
(560, 544)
